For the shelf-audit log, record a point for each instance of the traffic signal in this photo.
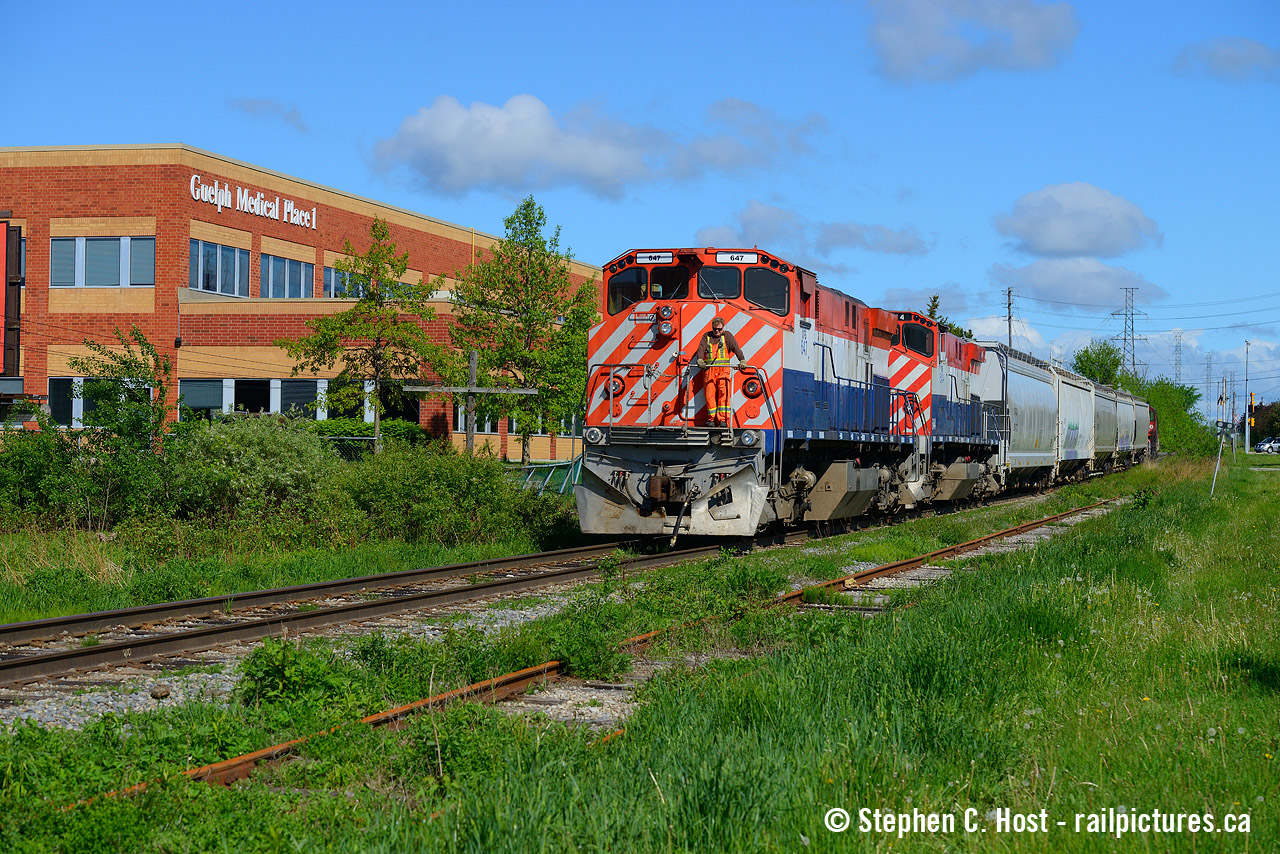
(1251, 424)
(1252, 395)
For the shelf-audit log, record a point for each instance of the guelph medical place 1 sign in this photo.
(250, 202)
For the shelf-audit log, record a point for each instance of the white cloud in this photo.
(750, 137)
(1234, 59)
(1086, 283)
(1064, 220)
(873, 238)
(522, 145)
(946, 39)
(810, 243)
(266, 107)
(755, 224)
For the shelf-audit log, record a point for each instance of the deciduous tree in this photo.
(517, 304)
(380, 340)
(1099, 360)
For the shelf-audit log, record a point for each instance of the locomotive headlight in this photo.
(665, 328)
(666, 312)
(748, 439)
(593, 435)
(616, 387)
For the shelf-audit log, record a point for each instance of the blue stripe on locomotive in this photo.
(812, 405)
(956, 417)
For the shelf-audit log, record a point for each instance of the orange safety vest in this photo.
(718, 366)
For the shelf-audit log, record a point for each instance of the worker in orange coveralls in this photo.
(713, 358)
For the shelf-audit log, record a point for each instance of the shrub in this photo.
(433, 493)
(392, 428)
(250, 467)
(86, 478)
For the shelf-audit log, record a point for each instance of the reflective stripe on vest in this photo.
(719, 352)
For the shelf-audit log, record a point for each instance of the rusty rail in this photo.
(858, 579)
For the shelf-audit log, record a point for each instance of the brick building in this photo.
(214, 260)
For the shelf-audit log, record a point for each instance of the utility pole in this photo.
(1232, 386)
(1248, 416)
(471, 390)
(1177, 357)
(1127, 337)
(1009, 313)
(1208, 384)
(1222, 433)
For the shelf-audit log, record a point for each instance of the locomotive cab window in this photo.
(918, 337)
(627, 288)
(767, 289)
(719, 283)
(669, 283)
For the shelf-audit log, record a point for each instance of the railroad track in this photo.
(79, 625)
(23, 666)
(20, 665)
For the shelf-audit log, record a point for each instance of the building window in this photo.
(142, 261)
(338, 285)
(484, 423)
(60, 401)
(513, 428)
(253, 396)
(101, 262)
(570, 426)
(200, 398)
(217, 269)
(70, 402)
(284, 278)
(298, 398)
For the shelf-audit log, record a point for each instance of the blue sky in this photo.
(1065, 149)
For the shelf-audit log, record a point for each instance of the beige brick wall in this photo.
(212, 233)
(245, 362)
(102, 226)
(288, 249)
(102, 300)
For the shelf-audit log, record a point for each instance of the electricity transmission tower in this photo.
(1177, 358)
(1127, 337)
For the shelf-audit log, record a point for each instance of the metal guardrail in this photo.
(543, 476)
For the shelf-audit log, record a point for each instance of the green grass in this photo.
(1115, 664)
(53, 574)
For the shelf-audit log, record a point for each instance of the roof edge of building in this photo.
(191, 149)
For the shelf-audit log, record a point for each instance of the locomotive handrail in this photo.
(595, 369)
(850, 383)
(773, 418)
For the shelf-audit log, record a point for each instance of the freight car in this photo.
(837, 407)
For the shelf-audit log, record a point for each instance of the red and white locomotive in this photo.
(836, 406)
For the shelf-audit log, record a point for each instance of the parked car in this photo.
(1268, 446)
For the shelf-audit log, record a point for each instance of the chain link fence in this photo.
(351, 448)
